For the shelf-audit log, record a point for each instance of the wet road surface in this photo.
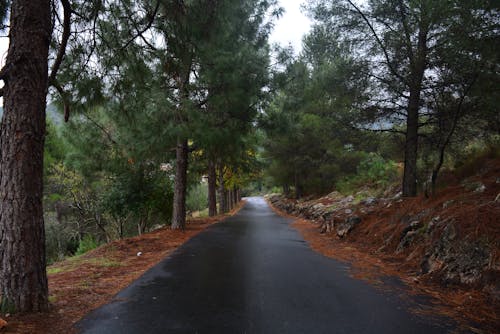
(253, 273)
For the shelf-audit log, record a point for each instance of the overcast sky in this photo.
(290, 28)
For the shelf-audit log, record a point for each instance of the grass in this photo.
(72, 263)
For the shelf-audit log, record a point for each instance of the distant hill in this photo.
(53, 114)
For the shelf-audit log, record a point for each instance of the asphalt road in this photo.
(253, 273)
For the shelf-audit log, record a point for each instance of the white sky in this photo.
(290, 28)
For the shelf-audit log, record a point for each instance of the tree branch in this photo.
(379, 41)
(64, 97)
(64, 40)
(146, 28)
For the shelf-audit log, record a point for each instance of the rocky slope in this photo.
(452, 239)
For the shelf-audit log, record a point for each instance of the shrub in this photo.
(197, 198)
(372, 171)
(86, 244)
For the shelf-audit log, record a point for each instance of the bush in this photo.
(60, 240)
(373, 171)
(86, 244)
(197, 198)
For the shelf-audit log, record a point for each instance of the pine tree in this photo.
(23, 281)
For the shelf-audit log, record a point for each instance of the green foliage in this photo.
(6, 306)
(469, 160)
(88, 243)
(141, 193)
(373, 172)
(197, 197)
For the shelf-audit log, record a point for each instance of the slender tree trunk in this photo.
(418, 66)
(179, 211)
(228, 200)
(411, 147)
(231, 199)
(222, 191)
(235, 197)
(298, 187)
(23, 280)
(286, 190)
(212, 185)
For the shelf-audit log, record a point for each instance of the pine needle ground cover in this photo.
(82, 283)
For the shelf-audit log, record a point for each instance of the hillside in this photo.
(447, 246)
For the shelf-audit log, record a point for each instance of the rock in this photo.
(448, 204)
(349, 198)
(408, 235)
(457, 261)
(369, 201)
(318, 206)
(335, 195)
(398, 195)
(480, 188)
(348, 211)
(347, 226)
(476, 187)
(327, 227)
(406, 241)
(434, 221)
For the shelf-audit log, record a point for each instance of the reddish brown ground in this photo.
(476, 216)
(84, 283)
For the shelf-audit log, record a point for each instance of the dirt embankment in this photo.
(80, 284)
(447, 246)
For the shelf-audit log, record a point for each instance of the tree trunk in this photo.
(286, 190)
(212, 185)
(222, 191)
(23, 280)
(411, 147)
(229, 202)
(418, 66)
(235, 197)
(298, 187)
(179, 210)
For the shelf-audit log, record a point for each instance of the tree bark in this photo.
(23, 280)
(228, 200)
(411, 147)
(179, 210)
(235, 197)
(212, 185)
(222, 191)
(418, 66)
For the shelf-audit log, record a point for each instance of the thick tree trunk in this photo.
(179, 210)
(222, 191)
(23, 280)
(212, 185)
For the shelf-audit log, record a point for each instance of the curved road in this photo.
(253, 273)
